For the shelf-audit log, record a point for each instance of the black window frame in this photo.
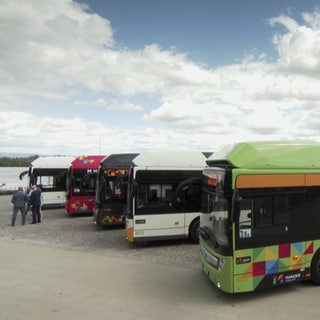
(291, 221)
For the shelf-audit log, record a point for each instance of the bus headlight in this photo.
(212, 259)
(217, 262)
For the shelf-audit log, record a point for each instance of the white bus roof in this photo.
(171, 158)
(52, 162)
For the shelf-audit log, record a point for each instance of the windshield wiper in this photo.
(207, 233)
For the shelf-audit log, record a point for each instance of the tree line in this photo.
(17, 161)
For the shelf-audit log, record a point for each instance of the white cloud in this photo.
(299, 47)
(56, 56)
(44, 44)
(113, 104)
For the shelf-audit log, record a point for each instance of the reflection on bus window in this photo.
(114, 190)
(84, 185)
(151, 195)
(245, 220)
(51, 182)
(265, 212)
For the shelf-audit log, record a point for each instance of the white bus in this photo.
(50, 173)
(163, 195)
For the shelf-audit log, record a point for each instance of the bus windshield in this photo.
(83, 183)
(215, 218)
(114, 184)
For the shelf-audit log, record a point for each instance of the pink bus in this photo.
(81, 184)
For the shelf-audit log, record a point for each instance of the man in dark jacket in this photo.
(19, 200)
(35, 204)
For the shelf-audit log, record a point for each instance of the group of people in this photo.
(23, 202)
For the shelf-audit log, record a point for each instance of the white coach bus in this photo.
(50, 173)
(163, 195)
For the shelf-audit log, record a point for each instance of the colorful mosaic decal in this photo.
(277, 265)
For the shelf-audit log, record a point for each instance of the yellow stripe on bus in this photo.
(312, 179)
(277, 180)
(270, 180)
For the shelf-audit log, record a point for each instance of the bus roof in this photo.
(52, 162)
(171, 158)
(119, 160)
(87, 161)
(269, 155)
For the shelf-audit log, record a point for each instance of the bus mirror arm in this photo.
(22, 174)
(236, 201)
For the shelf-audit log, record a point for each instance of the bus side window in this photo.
(154, 193)
(160, 194)
(281, 210)
(155, 196)
(245, 219)
(167, 193)
(142, 195)
(263, 212)
(192, 198)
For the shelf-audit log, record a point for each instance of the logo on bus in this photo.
(92, 170)
(140, 221)
(242, 260)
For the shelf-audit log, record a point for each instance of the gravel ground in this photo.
(80, 233)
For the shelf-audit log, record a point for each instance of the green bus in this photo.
(260, 216)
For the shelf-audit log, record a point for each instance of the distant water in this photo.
(10, 177)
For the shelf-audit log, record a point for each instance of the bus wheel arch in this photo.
(315, 268)
(194, 230)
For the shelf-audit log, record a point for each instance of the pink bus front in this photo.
(81, 184)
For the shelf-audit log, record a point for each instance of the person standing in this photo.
(19, 200)
(33, 187)
(35, 204)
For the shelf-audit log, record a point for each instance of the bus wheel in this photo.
(194, 230)
(315, 268)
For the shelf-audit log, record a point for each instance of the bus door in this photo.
(84, 190)
(114, 196)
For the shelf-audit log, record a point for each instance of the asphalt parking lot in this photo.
(68, 268)
(80, 233)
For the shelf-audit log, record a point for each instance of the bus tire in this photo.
(194, 230)
(315, 269)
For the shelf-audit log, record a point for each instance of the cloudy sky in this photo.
(102, 77)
